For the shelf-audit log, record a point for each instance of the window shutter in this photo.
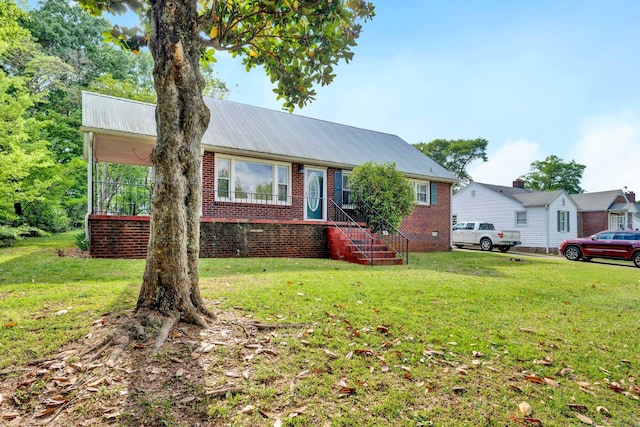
(434, 193)
(558, 221)
(568, 222)
(337, 187)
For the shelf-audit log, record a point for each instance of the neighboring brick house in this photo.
(544, 218)
(270, 180)
(605, 210)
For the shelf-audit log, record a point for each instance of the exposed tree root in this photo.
(163, 334)
(142, 323)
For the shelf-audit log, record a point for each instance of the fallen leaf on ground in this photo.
(534, 379)
(584, 419)
(525, 408)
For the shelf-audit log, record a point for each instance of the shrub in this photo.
(81, 241)
(383, 188)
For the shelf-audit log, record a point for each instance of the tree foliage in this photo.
(553, 173)
(296, 42)
(384, 189)
(455, 155)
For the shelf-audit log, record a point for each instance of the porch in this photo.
(253, 225)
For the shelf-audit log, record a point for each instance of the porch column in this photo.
(88, 152)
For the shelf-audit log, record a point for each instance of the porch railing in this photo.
(351, 229)
(121, 198)
(384, 231)
(134, 198)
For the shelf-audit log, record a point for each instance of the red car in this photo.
(611, 244)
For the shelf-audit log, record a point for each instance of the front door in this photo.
(314, 191)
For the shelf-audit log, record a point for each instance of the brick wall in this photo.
(428, 220)
(263, 239)
(118, 236)
(592, 222)
(127, 237)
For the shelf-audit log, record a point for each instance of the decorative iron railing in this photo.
(121, 198)
(352, 230)
(383, 230)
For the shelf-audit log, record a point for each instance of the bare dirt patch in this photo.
(195, 368)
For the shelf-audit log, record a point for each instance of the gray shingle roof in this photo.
(597, 201)
(244, 129)
(525, 196)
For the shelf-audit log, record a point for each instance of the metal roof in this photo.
(254, 131)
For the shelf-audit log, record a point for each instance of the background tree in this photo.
(297, 43)
(455, 155)
(383, 188)
(28, 175)
(553, 173)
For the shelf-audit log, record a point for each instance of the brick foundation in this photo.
(127, 237)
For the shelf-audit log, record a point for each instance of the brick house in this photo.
(274, 183)
(605, 210)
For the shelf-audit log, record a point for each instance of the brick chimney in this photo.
(631, 196)
(518, 183)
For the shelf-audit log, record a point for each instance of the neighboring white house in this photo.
(544, 218)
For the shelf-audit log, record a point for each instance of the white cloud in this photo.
(609, 146)
(507, 163)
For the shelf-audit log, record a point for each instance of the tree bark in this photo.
(170, 282)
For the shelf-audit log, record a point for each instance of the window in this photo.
(563, 222)
(243, 180)
(346, 190)
(422, 192)
(434, 193)
(521, 218)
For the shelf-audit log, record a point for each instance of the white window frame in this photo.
(517, 220)
(427, 193)
(232, 180)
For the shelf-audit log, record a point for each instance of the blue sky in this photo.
(534, 78)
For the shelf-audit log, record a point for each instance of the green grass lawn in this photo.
(457, 338)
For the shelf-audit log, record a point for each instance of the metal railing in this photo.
(384, 230)
(121, 198)
(362, 240)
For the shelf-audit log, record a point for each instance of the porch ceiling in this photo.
(122, 149)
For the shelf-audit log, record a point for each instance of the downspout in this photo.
(450, 217)
(88, 153)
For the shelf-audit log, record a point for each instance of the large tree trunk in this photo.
(170, 284)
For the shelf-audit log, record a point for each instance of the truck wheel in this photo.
(572, 253)
(636, 259)
(504, 248)
(485, 244)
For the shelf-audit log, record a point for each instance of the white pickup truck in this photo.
(485, 235)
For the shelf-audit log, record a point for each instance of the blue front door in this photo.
(315, 201)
